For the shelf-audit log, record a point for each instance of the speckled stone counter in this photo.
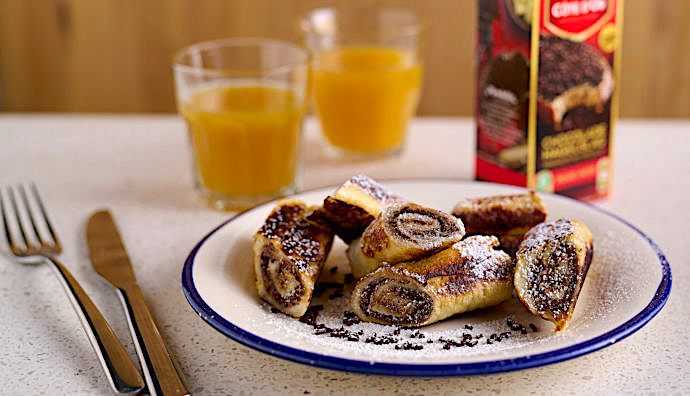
(138, 166)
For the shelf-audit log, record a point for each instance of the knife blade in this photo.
(109, 258)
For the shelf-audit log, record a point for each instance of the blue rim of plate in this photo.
(428, 370)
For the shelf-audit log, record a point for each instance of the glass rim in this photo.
(237, 42)
(417, 27)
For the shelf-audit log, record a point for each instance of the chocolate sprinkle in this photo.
(309, 317)
(410, 346)
(336, 294)
(322, 286)
(382, 340)
(350, 318)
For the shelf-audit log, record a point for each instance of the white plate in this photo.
(629, 281)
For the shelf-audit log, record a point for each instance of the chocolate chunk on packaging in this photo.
(547, 93)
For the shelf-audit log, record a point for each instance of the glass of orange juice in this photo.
(366, 75)
(243, 100)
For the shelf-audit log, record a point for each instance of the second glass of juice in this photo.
(366, 75)
(243, 101)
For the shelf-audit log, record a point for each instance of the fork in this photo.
(118, 366)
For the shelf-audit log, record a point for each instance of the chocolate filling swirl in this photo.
(552, 263)
(281, 278)
(394, 303)
(419, 225)
(403, 232)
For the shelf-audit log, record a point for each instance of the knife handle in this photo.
(161, 374)
(118, 366)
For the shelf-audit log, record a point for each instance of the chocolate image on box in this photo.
(505, 90)
(504, 94)
(514, 157)
(582, 116)
(488, 11)
(503, 104)
(520, 12)
(571, 75)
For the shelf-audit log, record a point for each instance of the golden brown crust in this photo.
(467, 276)
(289, 253)
(299, 240)
(552, 263)
(353, 206)
(501, 213)
(347, 220)
(506, 216)
(403, 232)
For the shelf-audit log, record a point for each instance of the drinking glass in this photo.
(366, 75)
(243, 100)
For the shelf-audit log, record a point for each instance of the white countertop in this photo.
(138, 166)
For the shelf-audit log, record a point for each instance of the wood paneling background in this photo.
(114, 55)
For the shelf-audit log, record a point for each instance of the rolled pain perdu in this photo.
(403, 232)
(470, 275)
(508, 217)
(551, 266)
(289, 253)
(353, 206)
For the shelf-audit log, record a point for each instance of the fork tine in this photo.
(56, 242)
(20, 226)
(8, 235)
(22, 195)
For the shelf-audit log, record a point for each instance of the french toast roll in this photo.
(403, 232)
(508, 217)
(551, 265)
(289, 253)
(353, 206)
(469, 275)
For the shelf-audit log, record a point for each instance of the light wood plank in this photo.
(114, 55)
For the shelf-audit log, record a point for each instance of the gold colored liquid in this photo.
(365, 96)
(244, 138)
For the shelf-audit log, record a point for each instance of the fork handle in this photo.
(118, 366)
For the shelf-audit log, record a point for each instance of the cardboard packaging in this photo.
(547, 93)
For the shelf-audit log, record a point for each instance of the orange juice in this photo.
(365, 95)
(244, 138)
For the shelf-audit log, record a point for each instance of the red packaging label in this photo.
(575, 16)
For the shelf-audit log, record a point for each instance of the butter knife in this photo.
(110, 260)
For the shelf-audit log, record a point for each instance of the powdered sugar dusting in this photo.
(613, 274)
(487, 263)
(374, 189)
(608, 289)
(436, 341)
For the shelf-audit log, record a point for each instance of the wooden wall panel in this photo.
(114, 55)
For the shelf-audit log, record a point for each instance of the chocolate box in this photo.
(547, 93)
